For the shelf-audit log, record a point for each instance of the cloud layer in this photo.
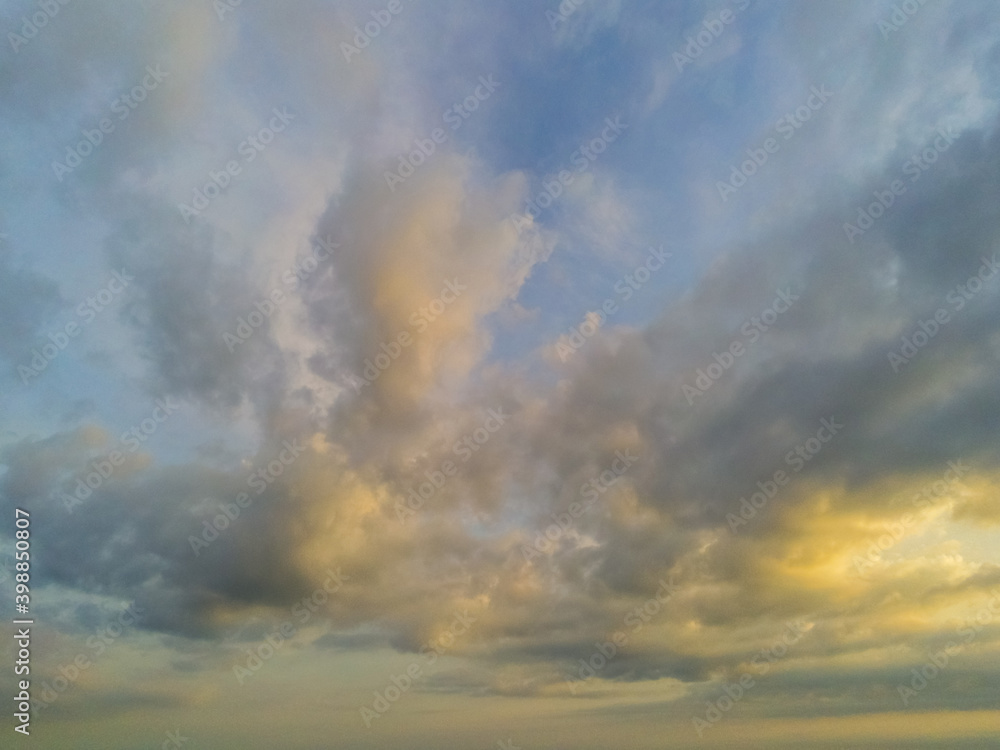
(419, 384)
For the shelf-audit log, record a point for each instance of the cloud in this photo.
(434, 314)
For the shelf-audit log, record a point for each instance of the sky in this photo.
(501, 374)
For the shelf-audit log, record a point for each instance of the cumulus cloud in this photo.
(370, 370)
